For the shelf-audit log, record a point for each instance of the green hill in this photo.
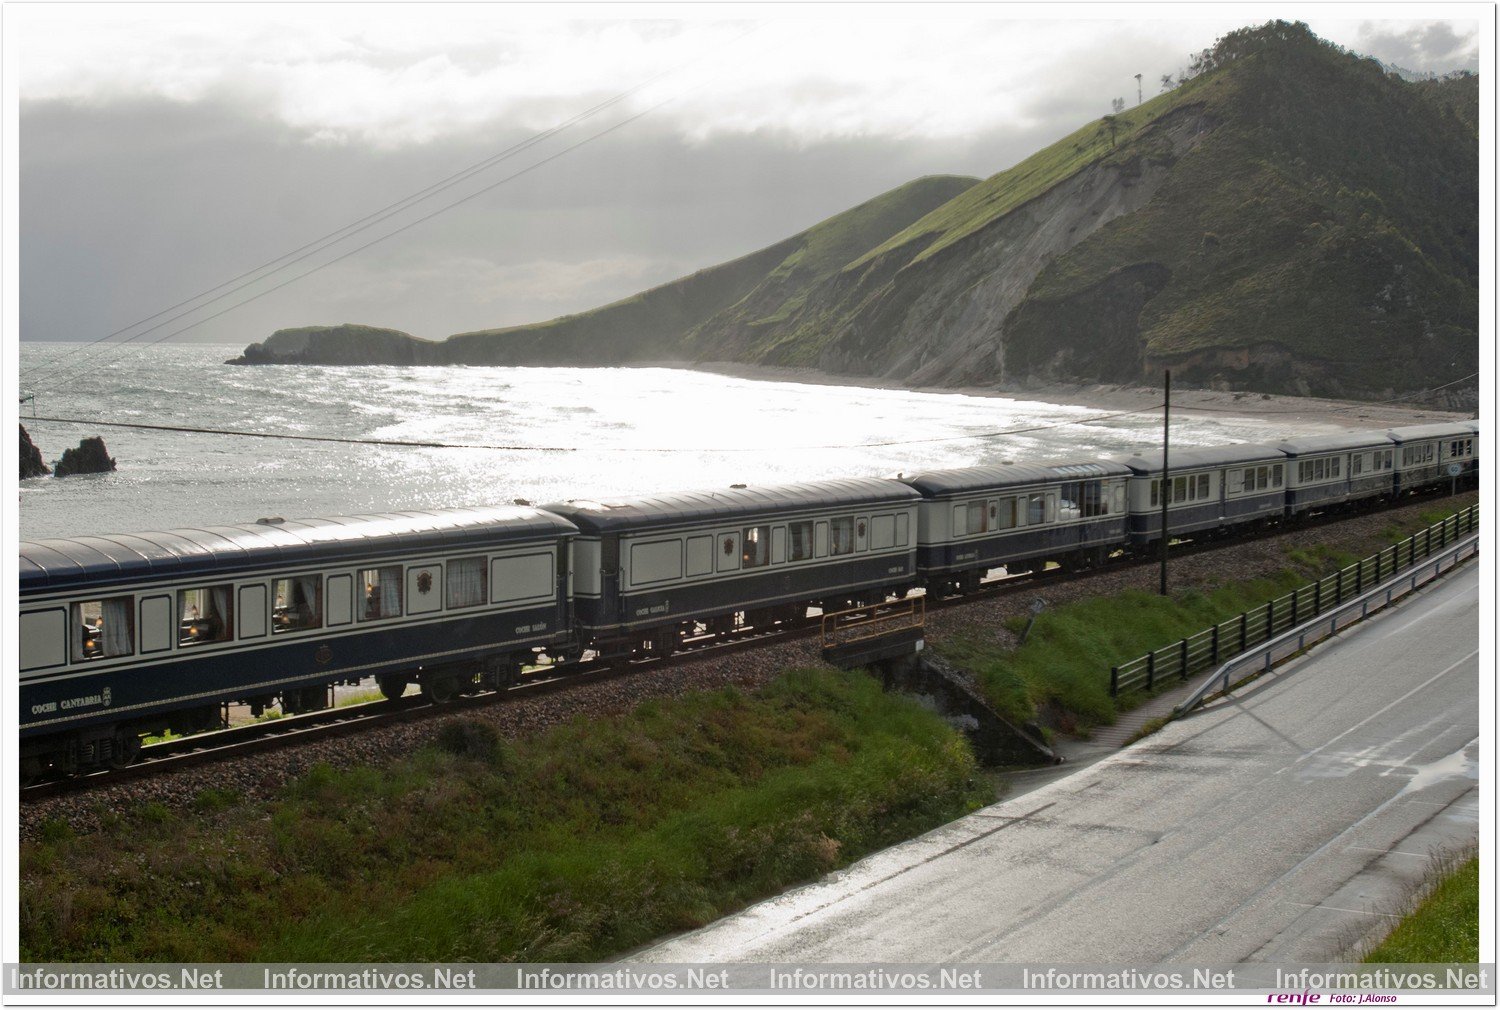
(656, 325)
(1323, 237)
(1291, 219)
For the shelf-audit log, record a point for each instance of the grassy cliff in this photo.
(669, 322)
(1291, 219)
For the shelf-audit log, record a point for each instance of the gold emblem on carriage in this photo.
(424, 582)
(323, 655)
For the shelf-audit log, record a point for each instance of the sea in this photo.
(497, 435)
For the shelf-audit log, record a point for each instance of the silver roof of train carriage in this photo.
(1336, 442)
(1202, 457)
(693, 507)
(942, 483)
(224, 550)
(1440, 429)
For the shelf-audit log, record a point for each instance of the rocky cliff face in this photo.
(942, 320)
(348, 344)
(90, 457)
(32, 464)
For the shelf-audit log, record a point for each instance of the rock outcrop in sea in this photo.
(89, 457)
(32, 464)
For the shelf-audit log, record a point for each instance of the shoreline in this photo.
(1347, 414)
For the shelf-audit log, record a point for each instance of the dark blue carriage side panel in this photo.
(1019, 544)
(772, 586)
(78, 696)
(1145, 527)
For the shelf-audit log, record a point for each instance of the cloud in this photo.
(402, 76)
(1437, 46)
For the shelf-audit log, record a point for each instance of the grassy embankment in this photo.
(1443, 928)
(1063, 669)
(571, 844)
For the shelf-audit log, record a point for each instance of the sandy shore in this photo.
(1200, 402)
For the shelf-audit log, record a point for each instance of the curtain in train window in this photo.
(104, 628)
(1203, 485)
(1036, 509)
(1005, 514)
(756, 547)
(299, 603)
(799, 541)
(466, 582)
(841, 535)
(382, 592)
(978, 518)
(203, 615)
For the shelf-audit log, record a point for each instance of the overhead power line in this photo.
(192, 430)
(376, 241)
(52, 370)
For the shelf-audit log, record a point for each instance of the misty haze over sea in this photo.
(636, 431)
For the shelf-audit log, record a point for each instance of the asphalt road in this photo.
(1280, 825)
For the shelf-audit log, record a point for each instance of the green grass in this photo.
(575, 843)
(1064, 665)
(1062, 671)
(1005, 191)
(1443, 929)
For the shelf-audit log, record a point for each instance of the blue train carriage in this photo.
(1326, 472)
(1211, 490)
(653, 573)
(1017, 516)
(1435, 455)
(129, 635)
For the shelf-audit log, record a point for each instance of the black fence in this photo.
(1208, 648)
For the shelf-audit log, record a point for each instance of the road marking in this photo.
(1336, 908)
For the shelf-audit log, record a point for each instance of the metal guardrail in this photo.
(860, 624)
(1210, 647)
(1291, 642)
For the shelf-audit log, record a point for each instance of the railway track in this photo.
(269, 734)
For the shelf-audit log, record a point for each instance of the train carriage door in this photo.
(609, 576)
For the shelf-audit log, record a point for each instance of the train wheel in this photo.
(392, 685)
(441, 688)
(126, 749)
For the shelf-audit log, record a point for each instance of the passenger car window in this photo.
(382, 593)
(298, 603)
(978, 517)
(756, 547)
(204, 615)
(467, 579)
(799, 541)
(1005, 516)
(841, 535)
(104, 628)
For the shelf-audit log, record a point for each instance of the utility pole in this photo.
(1138, 89)
(1166, 477)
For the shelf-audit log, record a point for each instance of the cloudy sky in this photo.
(167, 149)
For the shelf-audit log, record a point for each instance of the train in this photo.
(126, 636)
